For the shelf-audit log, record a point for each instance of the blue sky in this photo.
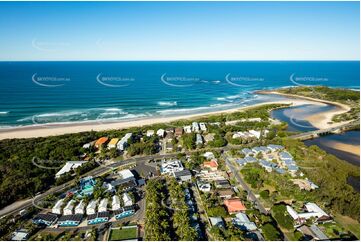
(179, 31)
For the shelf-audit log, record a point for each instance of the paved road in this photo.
(251, 195)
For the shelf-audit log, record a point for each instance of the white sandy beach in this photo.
(56, 129)
(321, 120)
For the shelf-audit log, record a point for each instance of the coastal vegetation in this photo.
(181, 216)
(157, 224)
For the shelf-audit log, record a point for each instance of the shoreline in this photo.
(60, 129)
(321, 120)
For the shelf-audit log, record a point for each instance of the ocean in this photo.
(34, 93)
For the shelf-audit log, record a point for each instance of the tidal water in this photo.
(64, 92)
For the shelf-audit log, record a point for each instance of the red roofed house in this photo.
(212, 165)
(234, 205)
(100, 142)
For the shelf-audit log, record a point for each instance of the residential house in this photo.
(242, 135)
(91, 208)
(242, 222)
(170, 166)
(184, 175)
(204, 186)
(113, 143)
(208, 175)
(70, 220)
(225, 193)
(126, 179)
(199, 139)
(285, 156)
(57, 209)
(292, 169)
(79, 209)
(101, 142)
(203, 127)
(45, 219)
(211, 165)
(222, 184)
(169, 137)
(312, 232)
(169, 146)
(255, 133)
(69, 165)
(161, 132)
(127, 200)
(268, 166)
(247, 151)
(209, 137)
(234, 205)
(305, 184)
(115, 203)
(150, 133)
(311, 211)
(88, 145)
(250, 159)
(20, 235)
(68, 210)
(123, 142)
(98, 218)
(169, 130)
(103, 205)
(209, 155)
(124, 212)
(187, 129)
(217, 221)
(195, 127)
(178, 131)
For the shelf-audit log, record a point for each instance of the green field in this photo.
(123, 234)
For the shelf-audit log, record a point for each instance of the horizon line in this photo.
(169, 60)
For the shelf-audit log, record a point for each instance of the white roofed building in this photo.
(127, 200)
(195, 127)
(209, 155)
(187, 129)
(161, 132)
(170, 166)
(203, 126)
(150, 133)
(79, 209)
(58, 207)
(103, 205)
(91, 208)
(126, 174)
(242, 221)
(312, 211)
(115, 203)
(257, 134)
(199, 139)
(68, 210)
(123, 142)
(69, 165)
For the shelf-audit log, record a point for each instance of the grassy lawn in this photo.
(123, 234)
(349, 224)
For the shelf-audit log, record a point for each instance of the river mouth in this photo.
(345, 146)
